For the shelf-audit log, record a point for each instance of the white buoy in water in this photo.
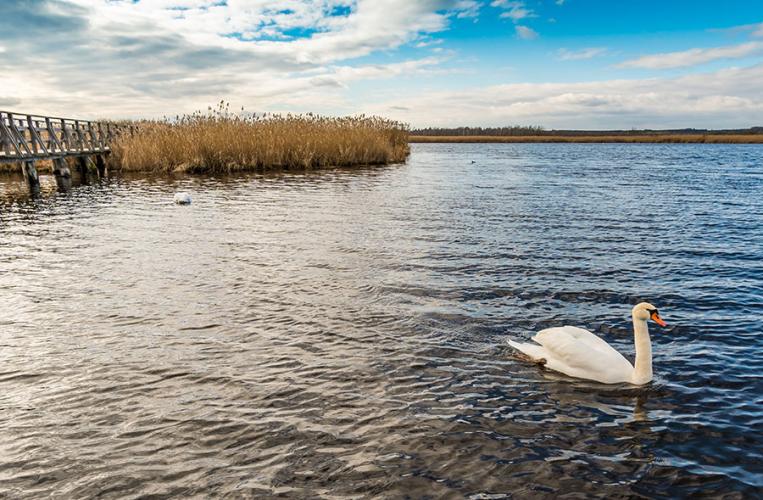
(182, 198)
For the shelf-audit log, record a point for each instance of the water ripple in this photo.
(342, 333)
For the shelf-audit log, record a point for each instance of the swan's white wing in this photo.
(552, 335)
(582, 354)
(533, 351)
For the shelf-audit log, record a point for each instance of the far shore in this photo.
(654, 138)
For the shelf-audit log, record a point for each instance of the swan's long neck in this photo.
(642, 372)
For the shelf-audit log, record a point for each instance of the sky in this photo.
(581, 64)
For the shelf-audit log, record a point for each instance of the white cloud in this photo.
(693, 57)
(7, 102)
(577, 55)
(429, 42)
(127, 59)
(517, 14)
(513, 10)
(467, 8)
(362, 27)
(559, 2)
(517, 11)
(727, 98)
(345, 74)
(758, 31)
(526, 33)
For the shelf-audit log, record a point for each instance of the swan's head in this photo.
(646, 311)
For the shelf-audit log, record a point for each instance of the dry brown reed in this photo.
(42, 167)
(655, 138)
(219, 141)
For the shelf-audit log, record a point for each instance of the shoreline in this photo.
(615, 138)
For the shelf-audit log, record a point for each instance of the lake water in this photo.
(343, 333)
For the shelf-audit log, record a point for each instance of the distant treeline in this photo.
(540, 131)
(470, 131)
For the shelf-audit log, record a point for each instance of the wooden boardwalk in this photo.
(25, 139)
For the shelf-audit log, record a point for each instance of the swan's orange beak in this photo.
(656, 318)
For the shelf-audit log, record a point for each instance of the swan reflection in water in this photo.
(608, 424)
(622, 401)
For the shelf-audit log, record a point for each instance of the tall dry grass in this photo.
(42, 167)
(219, 141)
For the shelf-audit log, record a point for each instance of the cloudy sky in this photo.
(555, 63)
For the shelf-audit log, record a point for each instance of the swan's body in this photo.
(182, 198)
(581, 354)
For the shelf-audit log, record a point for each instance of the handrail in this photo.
(45, 116)
(28, 137)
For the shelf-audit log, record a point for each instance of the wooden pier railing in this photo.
(27, 138)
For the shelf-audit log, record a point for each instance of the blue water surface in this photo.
(343, 333)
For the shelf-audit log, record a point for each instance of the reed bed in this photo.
(15, 168)
(655, 138)
(218, 142)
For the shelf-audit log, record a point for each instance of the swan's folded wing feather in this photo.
(533, 351)
(578, 334)
(577, 347)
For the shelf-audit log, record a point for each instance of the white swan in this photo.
(182, 198)
(581, 354)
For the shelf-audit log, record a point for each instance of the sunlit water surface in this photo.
(343, 333)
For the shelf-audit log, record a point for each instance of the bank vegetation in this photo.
(219, 142)
(651, 138)
(518, 133)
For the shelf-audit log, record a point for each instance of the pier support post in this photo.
(60, 168)
(63, 174)
(82, 167)
(86, 169)
(30, 174)
(100, 163)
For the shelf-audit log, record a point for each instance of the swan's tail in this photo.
(535, 352)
